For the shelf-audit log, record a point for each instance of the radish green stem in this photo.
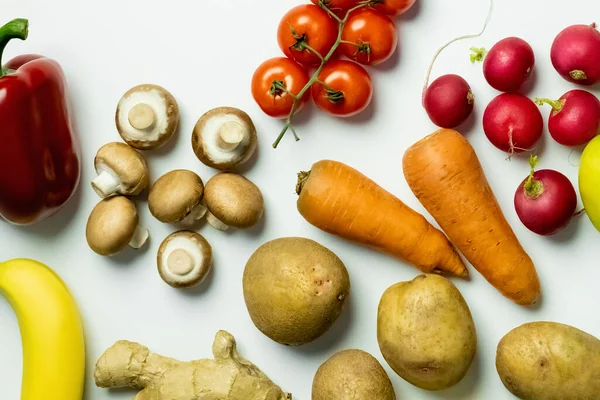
(578, 75)
(533, 187)
(478, 54)
(557, 105)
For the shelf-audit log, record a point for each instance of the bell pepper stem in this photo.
(15, 29)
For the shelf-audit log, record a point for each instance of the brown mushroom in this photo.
(120, 169)
(176, 197)
(113, 225)
(147, 117)
(184, 259)
(232, 201)
(224, 138)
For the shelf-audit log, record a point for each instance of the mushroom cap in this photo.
(161, 103)
(111, 225)
(174, 195)
(184, 259)
(234, 200)
(123, 162)
(205, 137)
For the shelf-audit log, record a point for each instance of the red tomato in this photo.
(373, 34)
(339, 7)
(346, 89)
(272, 82)
(395, 7)
(307, 25)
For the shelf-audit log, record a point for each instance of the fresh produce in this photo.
(184, 259)
(444, 173)
(113, 225)
(306, 33)
(224, 138)
(39, 156)
(545, 201)
(147, 117)
(426, 333)
(340, 200)
(369, 37)
(294, 289)
(176, 197)
(228, 376)
(589, 180)
(51, 331)
(575, 54)
(276, 87)
(344, 89)
(352, 375)
(339, 7)
(121, 170)
(448, 101)
(513, 123)
(233, 201)
(394, 7)
(575, 117)
(548, 361)
(508, 64)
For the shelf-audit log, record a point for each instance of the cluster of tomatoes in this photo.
(314, 37)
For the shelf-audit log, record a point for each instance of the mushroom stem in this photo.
(142, 117)
(231, 134)
(139, 237)
(215, 222)
(105, 184)
(180, 262)
(195, 215)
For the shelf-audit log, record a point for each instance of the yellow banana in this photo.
(51, 331)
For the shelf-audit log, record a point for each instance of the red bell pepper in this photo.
(39, 152)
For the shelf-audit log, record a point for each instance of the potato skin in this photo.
(352, 375)
(426, 333)
(294, 289)
(549, 361)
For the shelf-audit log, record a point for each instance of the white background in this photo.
(205, 52)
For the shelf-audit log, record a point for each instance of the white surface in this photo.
(205, 52)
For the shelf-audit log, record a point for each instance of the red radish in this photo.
(448, 101)
(575, 54)
(513, 123)
(545, 201)
(507, 65)
(575, 117)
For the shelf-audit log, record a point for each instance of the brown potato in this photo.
(426, 333)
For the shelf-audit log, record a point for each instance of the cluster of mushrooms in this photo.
(147, 117)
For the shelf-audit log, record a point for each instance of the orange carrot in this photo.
(444, 173)
(342, 201)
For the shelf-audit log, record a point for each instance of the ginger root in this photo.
(227, 377)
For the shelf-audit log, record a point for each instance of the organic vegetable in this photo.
(228, 376)
(513, 123)
(426, 333)
(394, 7)
(276, 87)
(306, 33)
(340, 200)
(113, 225)
(339, 7)
(176, 197)
(184, 259)
(294, 289)
(369, 37)
(344, 89)
(545, 201)
(39, 156)
(508, 64)
(589, 180)
(548, 361)
(224, 138)
(147, 117)
(448, 101)
(120, 169)
(575, 117)
(352, 375)
(444, 173)
(51, 331)
(233, 201)
(575, 54)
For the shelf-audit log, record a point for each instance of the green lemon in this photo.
(589, 180)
